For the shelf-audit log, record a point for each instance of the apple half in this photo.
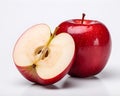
(43, 57)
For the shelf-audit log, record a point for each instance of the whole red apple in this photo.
(93, 45)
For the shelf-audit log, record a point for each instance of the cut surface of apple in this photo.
(43, 57)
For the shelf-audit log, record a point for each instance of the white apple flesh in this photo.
(44, 58)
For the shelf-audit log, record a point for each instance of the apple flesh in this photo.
(92, 43)
(44, 58)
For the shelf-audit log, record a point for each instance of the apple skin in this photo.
(92, 44)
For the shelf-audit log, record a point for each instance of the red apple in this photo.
(93, 45)
(44, 58)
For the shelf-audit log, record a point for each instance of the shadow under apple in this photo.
(70, 86)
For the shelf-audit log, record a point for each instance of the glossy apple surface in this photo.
(43, 58)
(93, 45)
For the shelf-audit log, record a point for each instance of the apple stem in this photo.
(83, 16)
(44, 50)
(52, 36)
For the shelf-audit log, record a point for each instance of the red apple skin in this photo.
(93, 46)
(30, 74)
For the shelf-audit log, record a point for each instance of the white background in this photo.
(18, 15)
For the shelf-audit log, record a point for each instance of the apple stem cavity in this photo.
(83, 16)
(44, 51)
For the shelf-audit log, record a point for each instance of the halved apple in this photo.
(43, 57)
